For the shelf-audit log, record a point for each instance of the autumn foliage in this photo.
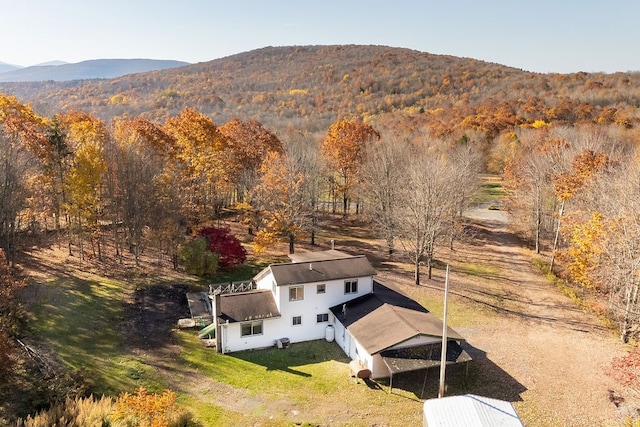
(143, 409)
(226, 245)
(626, 370)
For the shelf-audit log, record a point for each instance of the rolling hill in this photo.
(309, 87)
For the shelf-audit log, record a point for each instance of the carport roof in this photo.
(423, 357)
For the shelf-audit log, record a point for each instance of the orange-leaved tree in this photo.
(20, 129)
(344, 148)
(249, 142)
(205, 166)
(285, 212)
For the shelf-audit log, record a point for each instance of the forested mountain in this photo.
(92, 69)
(278, 139)
(309, 87)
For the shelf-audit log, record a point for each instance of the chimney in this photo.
(216, 312)
(310, 266)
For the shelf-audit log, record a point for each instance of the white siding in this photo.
(308, 308)
(320, 303)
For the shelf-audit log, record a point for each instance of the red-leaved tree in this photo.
(226, 245)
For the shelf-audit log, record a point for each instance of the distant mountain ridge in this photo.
(85, 70)
(4, 67)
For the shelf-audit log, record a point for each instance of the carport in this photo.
(421, 357)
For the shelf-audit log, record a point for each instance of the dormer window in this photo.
(351, 286)
(296, 293)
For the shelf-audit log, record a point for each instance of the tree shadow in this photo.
(481, 376)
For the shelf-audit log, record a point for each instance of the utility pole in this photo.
(443, 357)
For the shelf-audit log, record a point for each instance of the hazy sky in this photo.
(536, 35)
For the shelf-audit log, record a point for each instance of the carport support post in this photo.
(443, 358)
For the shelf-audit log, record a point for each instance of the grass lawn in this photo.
(306, 383)
(79, 318)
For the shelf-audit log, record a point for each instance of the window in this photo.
(296, 293)
(251, 328)
(350, 286)
(324, 317)
(322, 288)
(296, 320)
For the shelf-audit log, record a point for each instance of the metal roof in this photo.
(469, 411)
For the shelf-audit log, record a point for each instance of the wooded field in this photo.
(404, 153)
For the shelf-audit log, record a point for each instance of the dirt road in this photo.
(552, 356)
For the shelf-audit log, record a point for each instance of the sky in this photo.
(559, 36)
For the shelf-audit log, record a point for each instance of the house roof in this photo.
(246, 306)
(470, 410)
(319, 256)
(385, 318)
(296, 273)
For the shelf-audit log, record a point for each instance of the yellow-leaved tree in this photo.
(83, 184)
(143, 409)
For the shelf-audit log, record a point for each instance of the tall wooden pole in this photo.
(443, 357)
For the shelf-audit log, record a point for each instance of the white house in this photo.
(331, 293)
(292, 300)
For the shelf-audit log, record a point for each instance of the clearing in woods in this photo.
(531, 344)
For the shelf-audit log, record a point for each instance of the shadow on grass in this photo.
(297, 354)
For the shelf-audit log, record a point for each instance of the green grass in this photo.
(476, 269)
(79, 318)
(490, 190)
(270, 371)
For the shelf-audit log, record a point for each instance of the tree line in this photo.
(138, 183)
(573, 191)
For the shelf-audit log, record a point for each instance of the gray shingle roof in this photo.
(297, 273)
(386, 318)
(245, 306)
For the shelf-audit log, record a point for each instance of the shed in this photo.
(469, 411)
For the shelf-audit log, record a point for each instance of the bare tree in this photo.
(465, 162)
(382, 177)
(425, 205)
(303, 151)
